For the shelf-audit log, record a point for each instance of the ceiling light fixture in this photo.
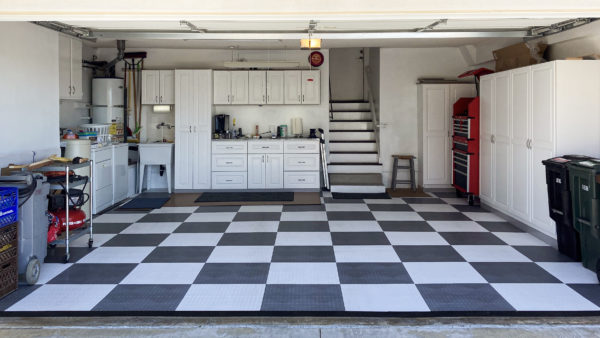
(311, 43)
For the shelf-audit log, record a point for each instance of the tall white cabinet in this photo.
(528, 115)
(193, 102)
(435, 132)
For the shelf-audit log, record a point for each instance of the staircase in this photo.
(353, 158)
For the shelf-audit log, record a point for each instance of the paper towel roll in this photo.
(297, 126)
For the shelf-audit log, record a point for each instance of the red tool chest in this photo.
(465, 147)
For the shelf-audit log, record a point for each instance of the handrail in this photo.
(372, 109)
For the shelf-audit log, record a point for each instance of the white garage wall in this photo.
(28, 92)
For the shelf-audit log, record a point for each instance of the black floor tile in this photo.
(542, 254)
(21, 292)
(202, 227)
(303, 298)
(463, 297)
(303, 254)
(302, 207)
(219, 208)
(257, 216)
(143, 298)
(303, 226)
(167, 217)
(423, 200)
(359, 238)
(501, 272)
(350, 216)
(93, 274)
(136, 240)
(342, 200)
(429, 253)
(499, 227)
(446, 194)
(373, 273)
(406, 226)
(590, 291)
(233, 273)
(110, 228)
(57, 254)
(471, 238)
(390, 207)
(444, 216)
(249, 238)
(179, 254)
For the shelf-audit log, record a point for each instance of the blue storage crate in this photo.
(9, 206)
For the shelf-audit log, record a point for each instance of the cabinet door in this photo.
(311, 87)
(486, 148)
(257, 87)
(436, 145)
(167, 88)
(501, 125)
(184, 146)
(76, 69)
(239, 87)
(202, 94)
(184, 139)
(292, 87)
(222, 87)
(274, 171)
(520, 173)
(64, 67)
(275, 87)
(150, 86)
(256, 171)
(202, 160)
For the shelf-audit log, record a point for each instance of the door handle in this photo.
(493, 139)
(161, 99)
(302, 97)
(299, 100)
(73, 90)
(263, 159)
(190, 129)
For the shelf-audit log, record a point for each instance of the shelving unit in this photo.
(68, 184)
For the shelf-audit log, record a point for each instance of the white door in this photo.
(150, 86)
(222, 87)
(542, 141)
(64, 66)
(76, 69)
(184, 137)
(256, 171)
(502, 140)
(520, 173)
(274, 171)
(436, 146)
(292, 87)
(311, 87)
(239, 87)
(274, 87)
(202, 129)
(486, 147)
(257, 87)
(167, 90)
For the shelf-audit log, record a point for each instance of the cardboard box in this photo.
(519, 55)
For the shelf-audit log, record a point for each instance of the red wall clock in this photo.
(316, 59)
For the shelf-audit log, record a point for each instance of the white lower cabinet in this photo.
(229, 180)
(301, 164)
(102, 188)
(256, 171)
(301, 179)
(229, 162)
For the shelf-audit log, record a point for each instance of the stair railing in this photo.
(374, 117)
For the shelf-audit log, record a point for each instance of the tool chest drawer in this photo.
(229, 147)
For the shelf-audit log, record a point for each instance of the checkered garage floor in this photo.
(410, 255)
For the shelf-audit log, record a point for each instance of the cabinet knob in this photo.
(161, 99)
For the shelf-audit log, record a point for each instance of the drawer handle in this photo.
(301, 162)
(228, 147)
(301, 147)
(228, 180)
(229, 162)
(301, 179)
(265, 147)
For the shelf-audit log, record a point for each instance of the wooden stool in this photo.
(410, 166)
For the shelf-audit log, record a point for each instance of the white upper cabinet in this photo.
(293, 87)
(158, 87)
(230, 87)
(311, 87)
(167, 87)
(239, 87)
(257, 87)
(70, 68)
(275, 87)
(222, 87)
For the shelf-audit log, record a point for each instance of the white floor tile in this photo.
(456, 226)
(456, 201)
(443, 272)
(433, 208)
(174, 210)
(365, 253)
(484, 217)
(543, 297)
(261, 208)
(396, 216)
(346, 207)
(99, 240)
(303, 273)
(257, 226)
(570, 272)
(354, 226)
(383, 297)
(303, 238)
(118, 218)
(51, 270)
(384, 201)
(63, 297)
(117, 254)
(304, 216)
(151, 228)
(211, 217)
(415, 238)
(163, 273)
(197, 239)
(519, 238)
(223, 297)
(490, 253)
(241, 254)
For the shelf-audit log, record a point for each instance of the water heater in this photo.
(107, 92)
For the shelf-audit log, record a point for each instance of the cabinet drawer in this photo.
(301, 162)
(265, 147)
(301, 179)
(103, 174)
(236, 162)
(229, 180)
(301, 146)
(102, 198)
(229, 147)
(102, 154)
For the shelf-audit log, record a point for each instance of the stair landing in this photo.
(356, 183)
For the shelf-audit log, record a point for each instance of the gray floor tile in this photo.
(300, 207)
(423, 200)
(219, 208)
(257, 216)
(202, 227)
(471, 238)
(445, 194)
(350, 216)
(328, 200)
(590, 291)
(444, 216)
(542, 254)
(501, 272)
(463, 297)
(390, 207)
(57, 254)
(373, 273)
(93, 274)
(468, 208)
(499, 227)
(249, 238)
(179, 254)
(303, 254)
(406, 226)
(110, 228)
(166, 217)
(430, 253)
(143, 298)
(359, 238)
(136, 240)
(303, 298)
(233, 273)
(303, 226)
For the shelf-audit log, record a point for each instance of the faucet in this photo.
(161, 126)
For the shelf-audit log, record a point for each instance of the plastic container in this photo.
(9, 206)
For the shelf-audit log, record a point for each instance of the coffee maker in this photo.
(221, 125)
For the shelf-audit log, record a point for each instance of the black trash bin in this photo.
(559, 202)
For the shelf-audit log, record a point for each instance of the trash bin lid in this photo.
(590, 164)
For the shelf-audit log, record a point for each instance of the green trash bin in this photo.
(585, 197)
